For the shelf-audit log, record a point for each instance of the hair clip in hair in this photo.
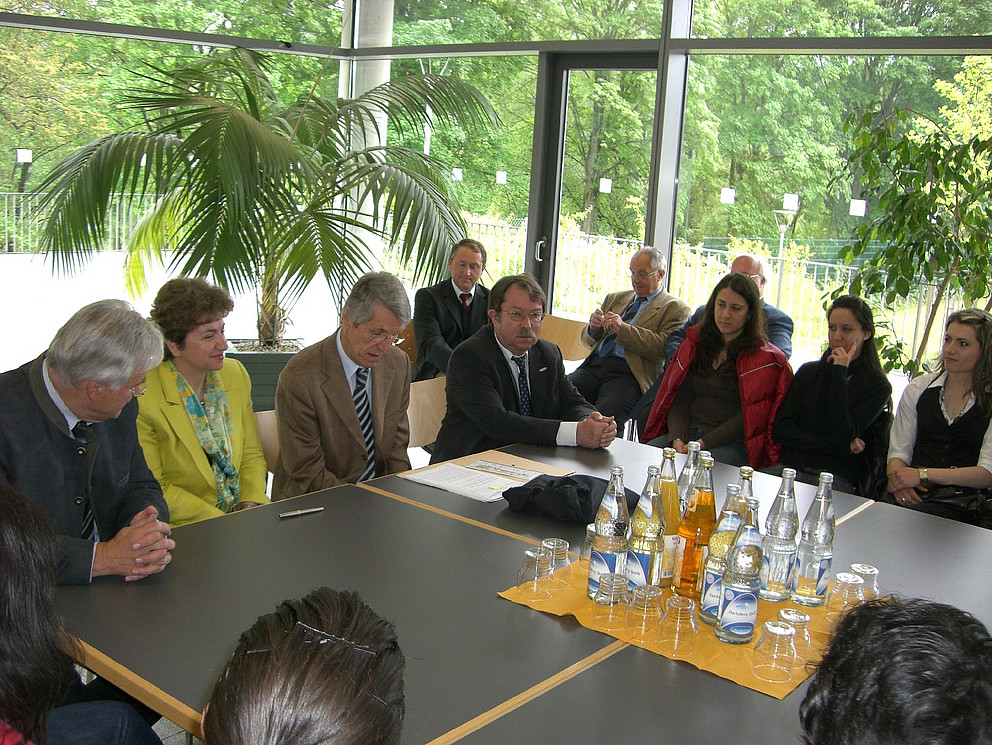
(322, 637)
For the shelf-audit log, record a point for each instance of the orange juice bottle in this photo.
(694, 532)
(669, 488)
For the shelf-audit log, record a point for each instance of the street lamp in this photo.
(22, 159)
(783, 219)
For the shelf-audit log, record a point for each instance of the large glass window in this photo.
(300, 22)
(467, 21)
(755, 19)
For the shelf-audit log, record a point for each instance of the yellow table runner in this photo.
(730, 661)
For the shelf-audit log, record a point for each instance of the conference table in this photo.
(479, 669)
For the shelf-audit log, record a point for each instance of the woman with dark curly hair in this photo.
(195, 420)
(940, 449)
(907, 671)
(725, 382)
(36, 671)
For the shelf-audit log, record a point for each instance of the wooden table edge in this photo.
(172, 709)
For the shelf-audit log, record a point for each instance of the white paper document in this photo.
(475, 483)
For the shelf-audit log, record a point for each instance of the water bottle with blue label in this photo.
(779, 547)
(645, 549)
(609, 546)
(738, 611)
(816, 548)
(716, 556)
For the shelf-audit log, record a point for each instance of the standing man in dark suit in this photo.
(778, 325)
(448, 313)
(506, 385)
(68, 442)
(341, 403)
(627, 335)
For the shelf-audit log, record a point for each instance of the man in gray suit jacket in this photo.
(68, 442)
(627, 335)
(342, 403)
(446, 314)
(506, 385)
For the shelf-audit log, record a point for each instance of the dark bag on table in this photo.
(573, 498)
(974, 505)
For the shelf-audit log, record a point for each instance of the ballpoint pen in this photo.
(297, 513)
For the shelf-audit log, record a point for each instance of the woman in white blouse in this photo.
(940, 450)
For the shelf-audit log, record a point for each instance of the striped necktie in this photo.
(361, 399)
(81, 434)
(525, 408)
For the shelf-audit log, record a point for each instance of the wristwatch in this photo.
(923, 476)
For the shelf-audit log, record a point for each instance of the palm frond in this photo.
(79, 191)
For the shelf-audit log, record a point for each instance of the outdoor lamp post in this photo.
(783, 219)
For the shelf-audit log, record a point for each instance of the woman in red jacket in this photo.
(725, 382)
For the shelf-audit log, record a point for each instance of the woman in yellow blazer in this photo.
(195, 420)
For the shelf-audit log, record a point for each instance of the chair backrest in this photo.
(269, 436)
(567, 334)
(427, 407)
(409, 343)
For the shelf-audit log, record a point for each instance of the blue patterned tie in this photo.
(361, 399)
(609, 342)
(522, 384)
(81, 433)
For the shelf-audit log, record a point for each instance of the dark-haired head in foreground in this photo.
(901, 672)
(322, 669)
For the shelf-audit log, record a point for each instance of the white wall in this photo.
(35, 302)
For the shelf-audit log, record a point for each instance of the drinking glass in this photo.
(677, 635)
(559, 563)
(775, 653)
(585, 550)
(644, 613)
(798, 620)
(532, 579)
(870, 575)
(610, 603)
(846, 593)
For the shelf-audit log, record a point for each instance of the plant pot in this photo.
(264, 369)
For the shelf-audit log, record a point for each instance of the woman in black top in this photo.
(832, 404)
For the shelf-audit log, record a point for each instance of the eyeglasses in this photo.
(378, 337)
(138, 390)
(642, 275)
(516, 316)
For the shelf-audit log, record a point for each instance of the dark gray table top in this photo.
(920, 555)
(467, 650)
(637, 696)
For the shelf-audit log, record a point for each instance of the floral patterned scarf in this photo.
(212, 424)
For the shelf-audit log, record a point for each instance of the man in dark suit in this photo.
(627, 336)
(778, 325)
(341, 404)
(506, 385)
(68, 442)
(448, 313)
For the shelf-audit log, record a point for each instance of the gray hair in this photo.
(107, 342)
(381, 286)
(659, 261)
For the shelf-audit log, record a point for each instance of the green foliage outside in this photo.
(932, 212)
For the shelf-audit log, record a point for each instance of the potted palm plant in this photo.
(254, 193)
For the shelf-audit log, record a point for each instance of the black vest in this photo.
(943, 445)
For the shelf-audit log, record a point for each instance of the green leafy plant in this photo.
(258, 194)
(930, 210)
